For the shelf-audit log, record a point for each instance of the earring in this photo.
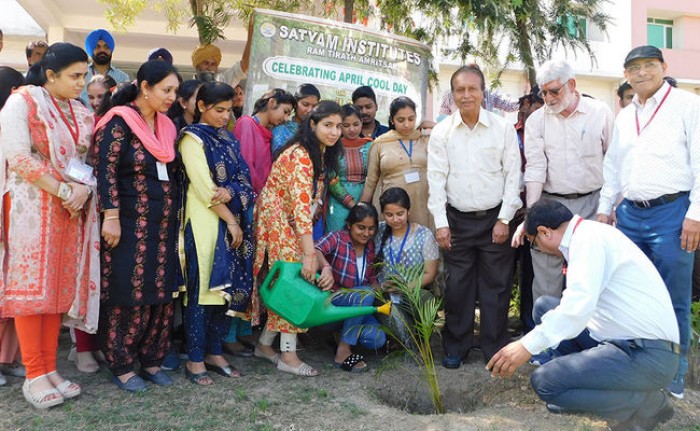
(53, 80)
(146, 96)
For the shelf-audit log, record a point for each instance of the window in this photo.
(660, 32)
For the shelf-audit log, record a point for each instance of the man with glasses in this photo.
(653, 170)
(566, 140)
(613, 327)
(473, 175)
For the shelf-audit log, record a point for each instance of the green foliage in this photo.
(695, 326)
(421, 325)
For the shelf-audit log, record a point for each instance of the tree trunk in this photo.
(196, 7)
(349, 6)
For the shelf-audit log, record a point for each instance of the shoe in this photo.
(171, 362)
(451, 362)
(227, 371)
(39, 400)
(14, 370)
(543, 357)
(135, 384)
(3, 379)
(197, 378)
(664, 414)
(275, 358)
(349, 364)
(239, 350)
(67, 388)
(159, 378)
(86, 363)
(677, 387)
(304, 370)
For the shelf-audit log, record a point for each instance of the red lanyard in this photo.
(578, 222)
(75, 134)
(636, 116)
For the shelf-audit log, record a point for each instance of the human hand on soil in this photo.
(508, 359)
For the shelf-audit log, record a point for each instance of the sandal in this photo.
(304, 370)
(85, 363)
(67, 388)
(39, 400)
(198, 378)
(349, 364)
(274, 358)
(227, 371)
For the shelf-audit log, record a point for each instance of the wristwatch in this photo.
(64, 191)
(504, 221)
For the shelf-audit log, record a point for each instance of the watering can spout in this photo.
(301, 303)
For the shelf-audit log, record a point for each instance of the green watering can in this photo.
(301, 303)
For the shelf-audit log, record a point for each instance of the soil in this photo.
(265, 399)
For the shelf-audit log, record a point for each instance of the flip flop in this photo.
(350, 362)
(227, 371)
(197, 378)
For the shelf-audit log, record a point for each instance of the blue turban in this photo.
(95, 36)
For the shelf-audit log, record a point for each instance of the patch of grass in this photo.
(241, 394)
(262, 405)
(322, 393)
(353, 409)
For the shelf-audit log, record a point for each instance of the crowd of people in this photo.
(129, 206)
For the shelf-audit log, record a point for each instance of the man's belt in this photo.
(665, 199)
(657, 344)
(474, 214)
(572, 195)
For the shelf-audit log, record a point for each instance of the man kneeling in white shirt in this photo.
(615, 299)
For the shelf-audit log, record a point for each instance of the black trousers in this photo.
(476, 268)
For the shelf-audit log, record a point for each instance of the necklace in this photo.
(75, 134)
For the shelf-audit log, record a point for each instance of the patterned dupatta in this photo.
(54, 142)
(232, 269)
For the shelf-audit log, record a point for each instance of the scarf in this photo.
(232, 269)
(161, 145)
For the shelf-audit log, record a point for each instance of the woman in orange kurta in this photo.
(51, 252)
(284, 214)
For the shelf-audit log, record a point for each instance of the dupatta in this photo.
(232, 268)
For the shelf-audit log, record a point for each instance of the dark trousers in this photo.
(475, 267)
(128, 333)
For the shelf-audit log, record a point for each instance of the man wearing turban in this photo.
(99, 45)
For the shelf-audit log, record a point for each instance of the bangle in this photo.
(110, 218)
(64, 191)
(232, 224)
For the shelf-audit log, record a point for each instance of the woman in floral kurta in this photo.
(50, 258)
(284, 221)
(139, 195)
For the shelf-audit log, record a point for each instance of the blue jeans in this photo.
(364, 330)
(614, 379)
(657, 232)
(581, 342)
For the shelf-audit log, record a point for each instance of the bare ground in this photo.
(265, 399)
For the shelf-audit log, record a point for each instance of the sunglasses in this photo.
(553, 92)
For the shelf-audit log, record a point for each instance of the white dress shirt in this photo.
(663, 159)
(612, 288)
(566, 153)
(473, 169)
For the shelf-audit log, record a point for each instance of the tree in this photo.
(530, 29)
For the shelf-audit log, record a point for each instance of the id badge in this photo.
(81, 172)
(412, 176)
(162, 171)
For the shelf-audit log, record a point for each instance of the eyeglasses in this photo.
(648, 66)
(533, 246)
(555, 93)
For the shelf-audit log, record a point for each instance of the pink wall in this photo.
(683, 63)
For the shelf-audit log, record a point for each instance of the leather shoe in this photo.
(451, 362)
(664, 414)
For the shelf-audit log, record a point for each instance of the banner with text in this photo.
(288, 50)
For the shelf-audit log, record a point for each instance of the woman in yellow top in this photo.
(399, 158)
(218, 232)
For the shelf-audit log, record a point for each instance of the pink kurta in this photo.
(50, 262)
(255, 149)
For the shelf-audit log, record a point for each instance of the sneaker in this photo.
(677, 387)
(543, 357)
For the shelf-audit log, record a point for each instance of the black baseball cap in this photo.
(644, 51)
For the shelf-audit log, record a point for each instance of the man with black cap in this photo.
(99, 44)
(652, 173)
(613, 326)
(365, 100)
(566, 140)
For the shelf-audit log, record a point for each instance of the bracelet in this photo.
(232, 224)
(110, 218)
(64, 191)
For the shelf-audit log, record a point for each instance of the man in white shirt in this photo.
(566, 140)
(473, 178)
(614, 292)
(652, 174)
